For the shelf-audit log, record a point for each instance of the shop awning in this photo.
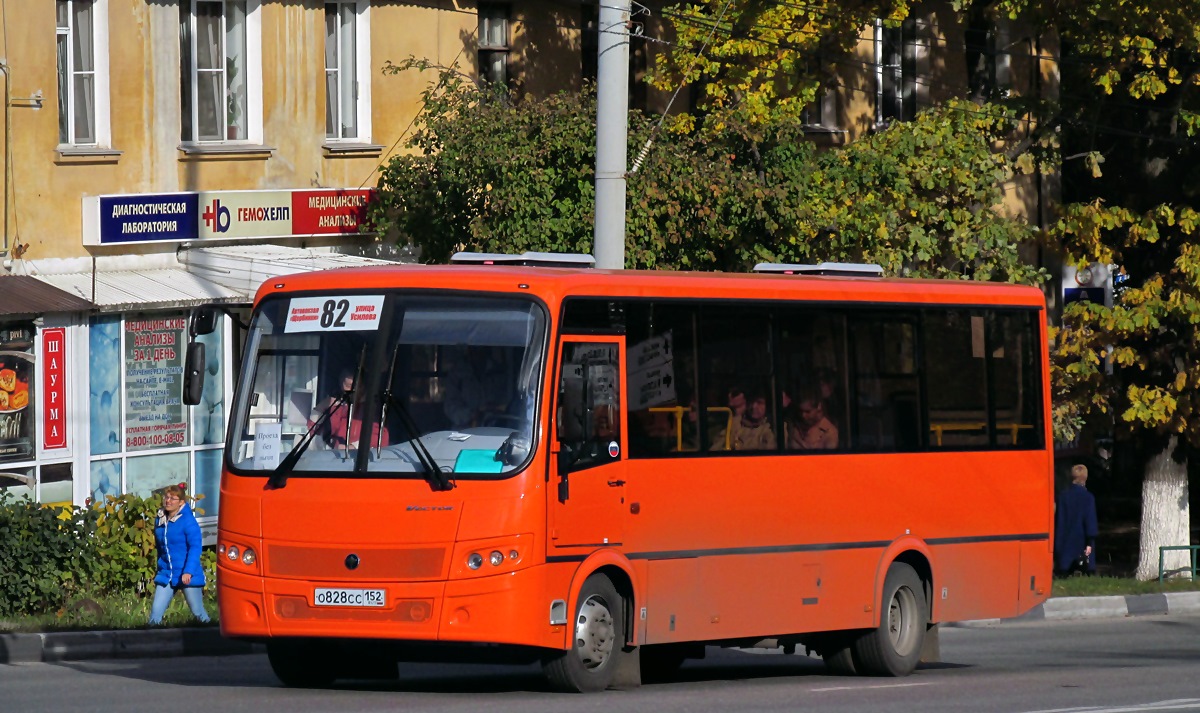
(25, 296)
(122, 290)
(245, 268)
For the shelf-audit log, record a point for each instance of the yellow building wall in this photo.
(45, 204)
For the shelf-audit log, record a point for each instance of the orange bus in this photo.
(607, 471)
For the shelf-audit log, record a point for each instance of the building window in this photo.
(822, 112)
(493, 43)
(221, 71)
(81, 28)
(142, 437)
(895, 72)
(347, 66)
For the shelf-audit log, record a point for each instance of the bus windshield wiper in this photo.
(279, 476)
(436, 477)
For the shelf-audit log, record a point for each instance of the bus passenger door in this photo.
(587, 493)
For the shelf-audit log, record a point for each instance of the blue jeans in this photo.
(162, 597)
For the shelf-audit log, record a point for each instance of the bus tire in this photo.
(298, 663)
(894, 647)
(838, 654)
(591, 662)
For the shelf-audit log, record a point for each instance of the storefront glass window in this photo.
(208, 424)
(16, 392)
(105, 387)
(143, 436)
(106, 480)
(17, 483)
(208, 479)
(56, 485)
(146, 474)
(154, 413)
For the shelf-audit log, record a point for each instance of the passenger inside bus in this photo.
(751, 430)
(810, 428)
(344, 426)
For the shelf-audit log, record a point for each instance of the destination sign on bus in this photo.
(349, 313)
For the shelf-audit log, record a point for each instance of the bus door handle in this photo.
(615, 483)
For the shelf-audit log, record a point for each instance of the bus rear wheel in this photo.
(591, 662)
(298, 663)
(894, 647)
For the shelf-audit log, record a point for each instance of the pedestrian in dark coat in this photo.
(1075, 526)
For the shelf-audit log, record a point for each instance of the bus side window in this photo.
(588, 419)
(885, 383)
(956, 379)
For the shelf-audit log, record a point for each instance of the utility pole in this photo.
(612, 128)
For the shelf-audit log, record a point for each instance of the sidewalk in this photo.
(158, 643)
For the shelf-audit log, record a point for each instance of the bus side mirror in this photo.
(204, 321)
(193, 373)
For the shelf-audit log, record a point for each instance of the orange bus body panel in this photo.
(717, 549)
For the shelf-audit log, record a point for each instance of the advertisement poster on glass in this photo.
(17, 364)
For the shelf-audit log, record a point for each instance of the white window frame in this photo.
(910, 91)
(488, 48)
(253, 78)
(100, 102)
(362, 70)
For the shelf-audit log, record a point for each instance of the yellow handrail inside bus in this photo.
(940, 428)
(679, 411)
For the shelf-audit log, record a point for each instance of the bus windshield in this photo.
(389, 382)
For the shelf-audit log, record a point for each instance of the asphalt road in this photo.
(1095, 666)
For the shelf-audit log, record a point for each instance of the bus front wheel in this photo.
(591, 662)
(894, 647)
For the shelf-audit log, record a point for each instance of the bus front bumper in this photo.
(510, 608)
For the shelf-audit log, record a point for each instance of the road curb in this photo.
(1111, 607)
(52, 647)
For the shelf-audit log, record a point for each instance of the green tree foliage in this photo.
(759, 63)
(1128, 115)
(493, 173)
(918, 198)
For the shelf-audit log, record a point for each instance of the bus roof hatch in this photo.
(530, 259)
(843, 269)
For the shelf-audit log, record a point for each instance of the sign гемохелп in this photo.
(222, 215)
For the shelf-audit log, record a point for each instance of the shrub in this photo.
(47, 554)
(124, 544)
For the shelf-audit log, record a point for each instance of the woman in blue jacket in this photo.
(177, 538)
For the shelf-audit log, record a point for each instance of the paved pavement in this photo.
(207, 641)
